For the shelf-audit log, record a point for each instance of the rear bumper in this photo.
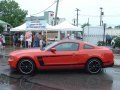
(108, 65)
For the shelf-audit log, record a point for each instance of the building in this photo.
(48, 17)
(113, 32)
(93, 34)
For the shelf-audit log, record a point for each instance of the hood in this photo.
(25, 51)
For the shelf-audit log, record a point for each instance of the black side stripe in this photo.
(40, 59)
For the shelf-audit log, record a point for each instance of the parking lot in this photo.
(108, 79)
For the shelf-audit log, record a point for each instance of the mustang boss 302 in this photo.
(64, 54)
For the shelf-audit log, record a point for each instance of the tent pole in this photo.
(46, 37)
(58, 35)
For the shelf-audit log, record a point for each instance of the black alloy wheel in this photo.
(26, 66)
(94, 66)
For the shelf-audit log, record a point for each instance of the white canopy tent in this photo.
(66, 26)
(22, 28)
(19, 28)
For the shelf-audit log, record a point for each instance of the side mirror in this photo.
(52, 49)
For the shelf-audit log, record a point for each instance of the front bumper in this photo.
(12, 63)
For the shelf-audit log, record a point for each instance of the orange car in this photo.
(65, 54)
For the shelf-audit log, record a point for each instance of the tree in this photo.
(117, 27)
(116, 42)
(1, 28)
(85, 24)
(12, 13)
(110, 27)
(82, 26)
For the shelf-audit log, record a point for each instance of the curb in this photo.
(3, 55)
(116, 51)
(117, 54)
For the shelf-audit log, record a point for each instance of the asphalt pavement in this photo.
(108, 79)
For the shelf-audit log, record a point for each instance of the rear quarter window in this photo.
(88, 46)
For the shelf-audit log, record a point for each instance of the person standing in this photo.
(44, 41)
(68, 36)
(14, 39)
(21, 40)
(28, 37)
(1, 42)
(3, 38)
(40, 40)
(108, 39)
(36, 40)
(29, 41)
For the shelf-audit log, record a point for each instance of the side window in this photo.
(88, 47)
(67, 47)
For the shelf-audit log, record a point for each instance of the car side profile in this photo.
(64, 54)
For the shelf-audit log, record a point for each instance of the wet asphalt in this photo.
(108, 79)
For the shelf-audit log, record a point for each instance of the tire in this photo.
(94, 66)
(26, 66)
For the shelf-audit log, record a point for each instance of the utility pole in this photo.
(104, 33)
(88, 22)
(88, 26)
(77, 15)
(55, 22)
(74, 21)
(101, 14)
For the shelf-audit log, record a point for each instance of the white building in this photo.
(48, 16)
(93, 34)
(112, 32)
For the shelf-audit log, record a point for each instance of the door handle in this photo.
(74, 54)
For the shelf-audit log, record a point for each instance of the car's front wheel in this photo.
(94, 66)
(26, 66)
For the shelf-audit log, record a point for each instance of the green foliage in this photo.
(117, 42)
(101, 43)
(85, 24)
(1, 29)
(11, 12)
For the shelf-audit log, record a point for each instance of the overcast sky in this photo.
(88, 9)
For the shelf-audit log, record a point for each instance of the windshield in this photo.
(49, 46)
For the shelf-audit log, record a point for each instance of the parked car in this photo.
(65, 54)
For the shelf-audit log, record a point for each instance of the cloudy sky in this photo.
(88, 9)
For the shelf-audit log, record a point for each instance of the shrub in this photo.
(101, 43)
(117, 42)
(1, 29)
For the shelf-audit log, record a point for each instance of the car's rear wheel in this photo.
(26, 66)
(94, 66)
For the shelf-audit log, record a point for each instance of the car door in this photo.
(66, 54)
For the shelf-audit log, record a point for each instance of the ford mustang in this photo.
(64, 54)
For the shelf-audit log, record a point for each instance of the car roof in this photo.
(77, 41)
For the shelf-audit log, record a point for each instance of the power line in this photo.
(111, 15)
(97, 15)
(44, 9)
(89, 15)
